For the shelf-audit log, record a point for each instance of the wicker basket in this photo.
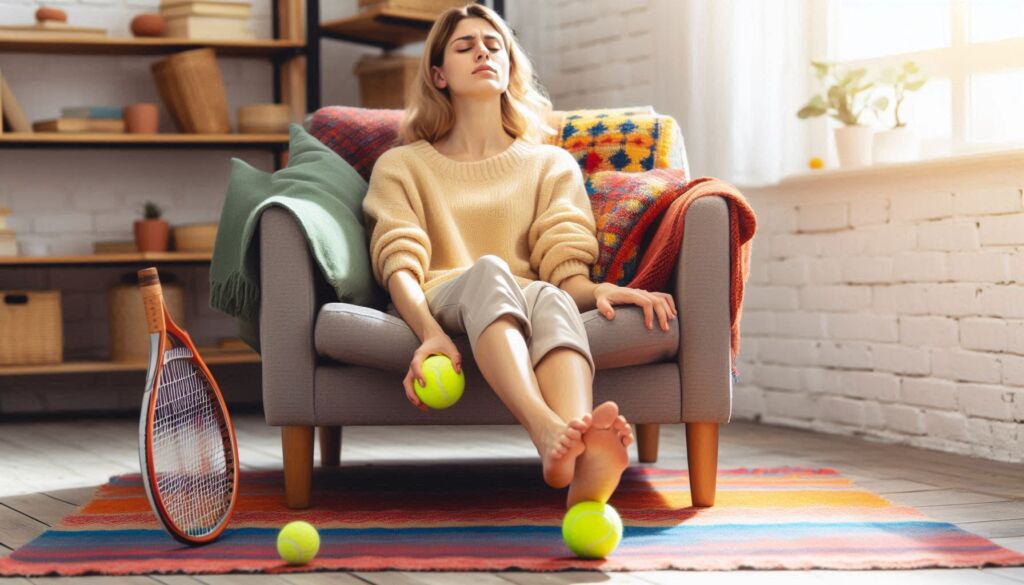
(384, 81)
(129, 333)
(431, 6)
(192, 88)
(196, 237)
(31, 330)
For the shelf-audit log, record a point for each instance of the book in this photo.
(206, 9)
(50, 29)
(8, 243)
(79, 125)
(12, 112)
(208, 27)
(94, 112)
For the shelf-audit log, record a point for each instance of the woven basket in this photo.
(431, 6)
(129, 334)
(384, 81)
(196, 237)
(192, 88)
(31, 330)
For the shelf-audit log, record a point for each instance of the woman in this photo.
(478, 227)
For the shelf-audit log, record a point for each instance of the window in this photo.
(971, 50)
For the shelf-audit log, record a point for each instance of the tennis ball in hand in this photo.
(592, 529)
(444, 385)
(298, 542)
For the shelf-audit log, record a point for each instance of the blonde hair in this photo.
(429, 114)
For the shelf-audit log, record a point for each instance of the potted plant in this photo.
(900, 143)
(151, 232)
(847, 96)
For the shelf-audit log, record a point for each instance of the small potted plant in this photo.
(900, 143)
(847, 96)
(151, 232)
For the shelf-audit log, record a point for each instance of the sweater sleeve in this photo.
(562, 237)
(397, 237)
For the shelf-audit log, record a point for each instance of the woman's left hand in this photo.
(608, 294)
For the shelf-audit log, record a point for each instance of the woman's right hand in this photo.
(438, 343)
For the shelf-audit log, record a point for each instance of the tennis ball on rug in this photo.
(298, 542)
(444, 385)
(592, 529)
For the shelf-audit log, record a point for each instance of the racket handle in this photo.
(152, 298)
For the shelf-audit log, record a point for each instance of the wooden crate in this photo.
(385, 81)
(31, 330)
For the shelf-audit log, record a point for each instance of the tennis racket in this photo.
(187, 449)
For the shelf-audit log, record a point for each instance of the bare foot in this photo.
(600, 467)
(559, 448)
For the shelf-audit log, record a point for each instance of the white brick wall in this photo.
(892, 308)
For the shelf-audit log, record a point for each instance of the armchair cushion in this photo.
(385, 341)
(626, 206)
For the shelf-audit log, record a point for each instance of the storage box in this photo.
(192, 87)
(384, 81)
(31, 330)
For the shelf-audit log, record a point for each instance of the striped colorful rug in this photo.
(458, 516)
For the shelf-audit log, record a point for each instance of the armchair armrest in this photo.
(701, 292)
(288, 308)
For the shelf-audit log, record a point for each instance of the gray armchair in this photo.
(329, 365)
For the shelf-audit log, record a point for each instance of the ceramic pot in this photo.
(853, 145)
(151, 235)
(897, 145)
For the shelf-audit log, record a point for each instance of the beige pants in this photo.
(548, 315)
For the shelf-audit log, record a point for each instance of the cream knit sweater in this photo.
(436, 216)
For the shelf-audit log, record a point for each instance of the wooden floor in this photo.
(50, 467)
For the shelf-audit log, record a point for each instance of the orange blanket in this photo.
(659, 259)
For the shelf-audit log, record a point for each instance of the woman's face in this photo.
(476, 62)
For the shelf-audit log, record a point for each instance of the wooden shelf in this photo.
(148, 46)
(119, 139)
(131, 258)
(382, 26)
(211, 355)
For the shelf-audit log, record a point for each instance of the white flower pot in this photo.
(897, 145)
(853, 145)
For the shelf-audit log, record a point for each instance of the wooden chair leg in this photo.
(330, 446)
(702, 461)
(297, 449)
(647, 441)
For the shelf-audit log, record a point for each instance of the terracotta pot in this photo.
(148, 25)
(151, 235)
(141, 118)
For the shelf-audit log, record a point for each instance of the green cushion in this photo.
(325, 195)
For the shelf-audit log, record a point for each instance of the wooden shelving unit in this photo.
(287, 52)
(382, 26)
(213, 356)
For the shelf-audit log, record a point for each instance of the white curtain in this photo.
(734, 73)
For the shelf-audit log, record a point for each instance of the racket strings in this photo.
(193, 468)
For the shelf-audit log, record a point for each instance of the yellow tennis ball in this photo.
(444, 385)
(298, 542)
(592, 529)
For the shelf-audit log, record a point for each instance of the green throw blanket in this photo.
(324, 194)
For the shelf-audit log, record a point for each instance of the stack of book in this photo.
(84, 119)
(207, 19)
(8, 244)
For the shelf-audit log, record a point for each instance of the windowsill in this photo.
(974, 161)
